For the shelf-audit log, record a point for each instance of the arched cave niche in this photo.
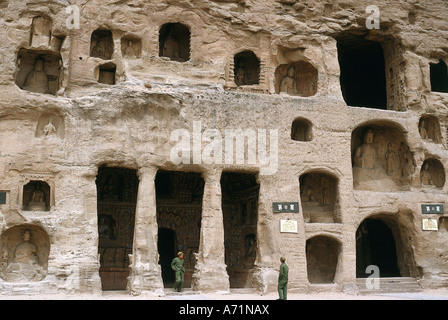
(301, 130)
(439, 76)
(381, 158)
(322, 256)
(101, 44)
(39, 71)
(174, 42)
(363, 76)
(296, 79)
(246, 68)
(36, 196)
(24, 253)
(240, 192)
(429, 128)
(319, 197)
(432, 173)
(386, 242)
(106, 73)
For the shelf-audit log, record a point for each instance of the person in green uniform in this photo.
(282, 279)
(178, 267)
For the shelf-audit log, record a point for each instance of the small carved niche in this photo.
(131, 48)
(429, 128)
(174, 42)
(24, 254)
(39, 71)
(106, 73)
(296, 79)
(246, 68)
(50, 125)
(301, 130)
(40, 32)
(318, 194)
(36, 196)
(432, 173)
(102, 44)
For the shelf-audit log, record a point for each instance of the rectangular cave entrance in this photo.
(179, 211)
(363, 77)
(117, 199)
(240, 192)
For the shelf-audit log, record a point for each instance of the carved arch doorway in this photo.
(375, 245)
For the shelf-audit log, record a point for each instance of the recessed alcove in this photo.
(102, 44)
(174, 42)
(246, 68)
(131, 48)
(439, 76)
(381, 158)
(36, 196)
(432, 173)
(106, 73)
(296, 79)
(322, 257)
(24, 254)
(319, 197)
(39, 71)
(363, 78)
(301, 130)
(429, 128)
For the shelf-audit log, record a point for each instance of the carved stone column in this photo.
(145, 274)
(210, 272)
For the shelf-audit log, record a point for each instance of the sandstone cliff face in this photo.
(111, 96)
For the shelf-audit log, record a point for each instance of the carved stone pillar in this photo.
(145, 274)
(210, 272)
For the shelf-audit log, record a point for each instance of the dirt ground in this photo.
(432, 294)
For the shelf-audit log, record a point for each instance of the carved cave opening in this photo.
(322, 256)
(102, 44)
(106, 73)
(439, 76)
(429, 128)
(36, 196)
(363, 77)
(381, 158)
(117, 199)
(301, 130)
(432, 173)
(246, 68)
(240, 192)
(39, 71)
(296, 79)
(319, 197)
(174, 42)
(179, 212)
(375, 245)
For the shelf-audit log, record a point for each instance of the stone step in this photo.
(389, 285)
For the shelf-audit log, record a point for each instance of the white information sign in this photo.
(288, 226)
